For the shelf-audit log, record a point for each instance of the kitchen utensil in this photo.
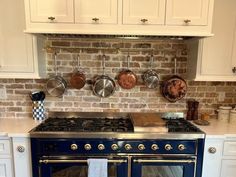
(232, 116)
(174, 88)
(146, 122)
(37, 96)
(126, 78)
(103, 86)
(150, 77)
(78, 78)
(201, 122)
(56, 86)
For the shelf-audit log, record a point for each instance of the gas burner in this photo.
(86, 125)
(180, 125)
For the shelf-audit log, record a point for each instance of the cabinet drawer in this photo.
(5, 147)
(229, 148)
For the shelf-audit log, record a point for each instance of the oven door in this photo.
(78, 167)
(163, 167)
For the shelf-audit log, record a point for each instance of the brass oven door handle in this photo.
(47, 161)
(162, 161)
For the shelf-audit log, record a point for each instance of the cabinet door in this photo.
(212, 159)
(96, 11)
(228, 168)
(51, 11)
(18, 57)
(187, 12)
(22, 157)
(218, 50)
(5, 168)
(144, 12)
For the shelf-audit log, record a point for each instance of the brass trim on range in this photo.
(46, 161)
(163, 161)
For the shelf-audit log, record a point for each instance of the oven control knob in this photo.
(141, 147)
(87, 147)
(20, 149)
(128, 147)
(154, 147)
(73, 147)
(181, 147)
(114, 147)
(168, 147)
(101, 147)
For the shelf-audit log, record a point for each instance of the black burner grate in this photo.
(86, 125)
(180, 125)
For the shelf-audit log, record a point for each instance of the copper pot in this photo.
(126, 78)
(78, 79)
(174, 88)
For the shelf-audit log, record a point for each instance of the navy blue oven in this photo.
(126, 158)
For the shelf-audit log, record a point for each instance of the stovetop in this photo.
(97, 123)
(76, 124)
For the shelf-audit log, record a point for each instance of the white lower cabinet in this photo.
(212, 157)
(228, 168)
(6, 166)
(22, 156)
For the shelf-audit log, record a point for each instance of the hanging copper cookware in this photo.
(174, 88)
(78, 79)
(126, 78)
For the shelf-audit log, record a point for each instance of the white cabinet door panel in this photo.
(5, 168)
(212, 161)
(96, 11)
(228, 168)
(42, 10)
(151, 11)
(196, 11)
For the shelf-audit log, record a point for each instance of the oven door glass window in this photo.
(78, 171)
(163, 167)
(162, 171)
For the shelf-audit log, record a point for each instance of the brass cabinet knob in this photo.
(73, 147)
(168, 147)
(95, 19)
(144, 20)
(187, 21)
(87, 147)
(101, 147)
(234, 69)
(128, 147)
(20, 149)
(141, 147)
(114, 147)
(212, 150)
(181, 147)
(51, 18)
(154, 147)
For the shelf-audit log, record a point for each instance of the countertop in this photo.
(219, 129)
(16, 127)
(21, 127)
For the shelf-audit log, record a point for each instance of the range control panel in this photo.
(104, 146)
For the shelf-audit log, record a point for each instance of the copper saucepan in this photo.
(126, 78)
(78, 79)
(174, 88)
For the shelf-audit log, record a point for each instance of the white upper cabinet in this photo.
(96, 11)
(120, 17)
(187, 12)
(214, 58)
(57, 11)
(18, 56)
(144, 12)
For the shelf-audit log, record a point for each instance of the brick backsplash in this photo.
(138, 99)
